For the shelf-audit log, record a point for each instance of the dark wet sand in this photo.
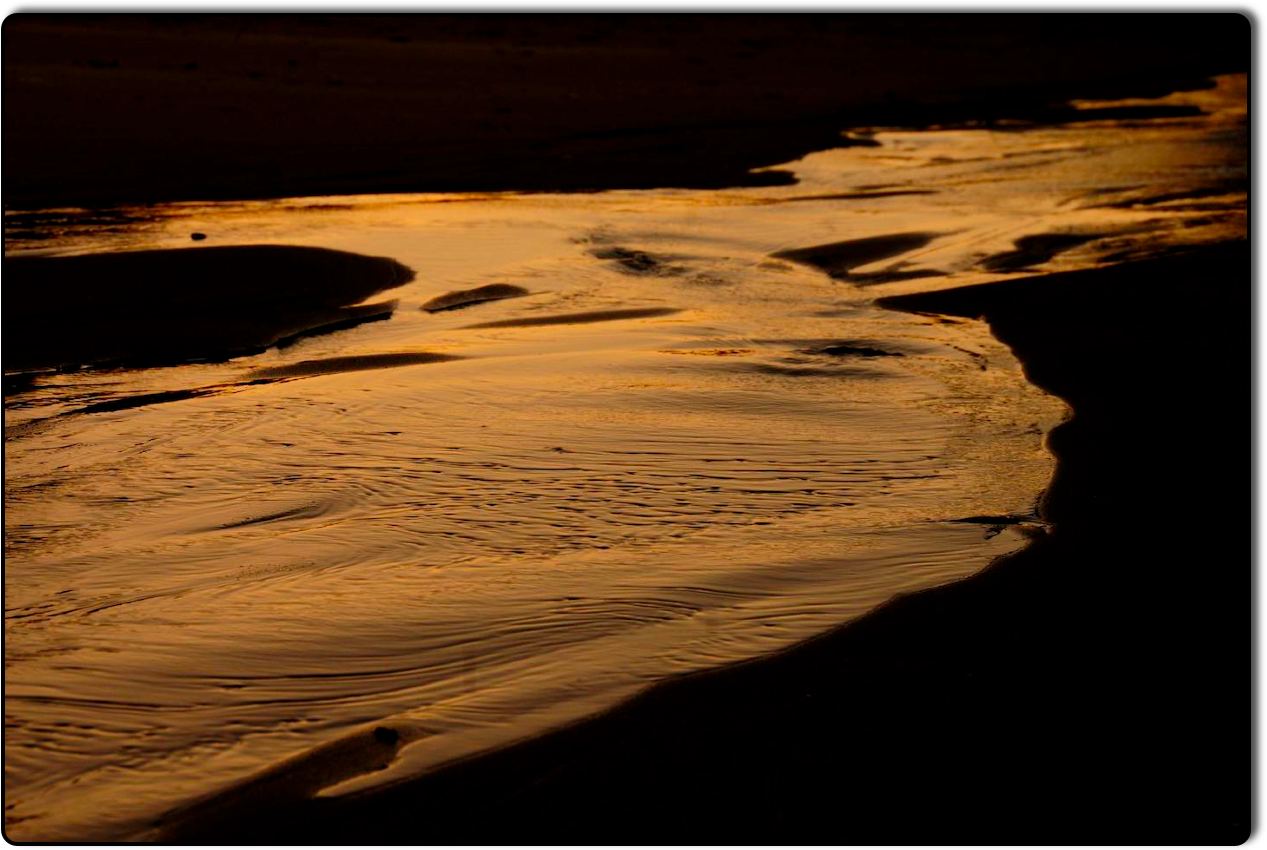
(855, 196)
(470, 297)
(839, 259)
(632, 261)
(104, 109)
(586, 318)
(254, 377)
(293, 780)
(1035, 250)
(146, 308)
(846, 349)
(350, 363)
(1093, 688)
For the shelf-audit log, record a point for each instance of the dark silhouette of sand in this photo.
(469, 297)
(131, 402)
(351, 363)
(849, 349)
(1091, 689)
(255, 377)
(632, 261)
(585, 318)
(293, 780)
(855, 196)
(1035, 250)
(145, 308)
(839, 259)
(102, 109)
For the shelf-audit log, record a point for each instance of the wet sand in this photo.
(1085, 690)
(470, 297)
(1051, 699)
(353, 363)
(156, 107)
(839, 259)
(580, 318)
(146, 308)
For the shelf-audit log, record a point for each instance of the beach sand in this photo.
(1090, 689)
(1085, 690)
(144, 308)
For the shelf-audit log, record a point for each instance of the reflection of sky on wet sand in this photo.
(557, 512)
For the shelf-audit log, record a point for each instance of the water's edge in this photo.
(679, 737)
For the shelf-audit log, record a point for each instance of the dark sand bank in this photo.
(160, 307)
(1035, 250)
(314, 368)
(839, 259)
(295, 779)
(102, 109)
(470, 297)
(588, 317)
(1093, 688)
(351, 363)
(632, 261)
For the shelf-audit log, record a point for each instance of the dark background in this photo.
(104, 108)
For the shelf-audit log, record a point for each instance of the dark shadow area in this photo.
(148, 308)
(854, 196)
(1035, 250)
(255, 377)
(102, 109)
(1069, 114)
(580, 318)
(1215, 189)
(891, 275)
(632, 261)
(470, 297)
(350, 363)
(846, 349)
(132, 402)
(295, 779)
(1093, 688)
(839, 259)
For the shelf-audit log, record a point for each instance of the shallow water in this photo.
(476, 524)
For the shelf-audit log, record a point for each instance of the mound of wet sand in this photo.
(255, 377)
(585, 318)
(1092, 689)
(145, 308)
(1035, 250)
(350, 363)
(839, 259)
(632, 261)
(470, 297)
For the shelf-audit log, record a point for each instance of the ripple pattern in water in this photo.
(676, 451)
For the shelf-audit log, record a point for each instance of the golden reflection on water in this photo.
(474, 524)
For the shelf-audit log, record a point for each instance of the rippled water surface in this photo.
(687, 445)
